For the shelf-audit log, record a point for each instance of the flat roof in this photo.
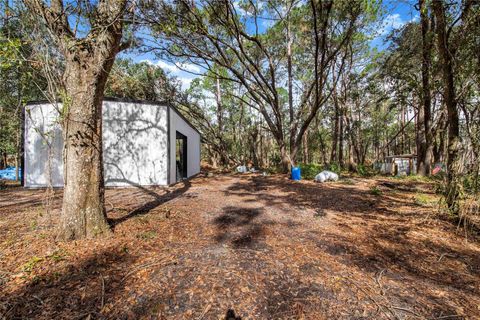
(127, 100)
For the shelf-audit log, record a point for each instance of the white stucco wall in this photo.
(43, 136)
(193, 145)
(135, 143)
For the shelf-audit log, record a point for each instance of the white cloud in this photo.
(391, 22)
(415, 18)
(247, 10)
(185, 82)
(166, 66)
(267, 23)
(188, 67)
(175, 68)
(394, 20)
(181, 71)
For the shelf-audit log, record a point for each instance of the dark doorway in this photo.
(181, 156)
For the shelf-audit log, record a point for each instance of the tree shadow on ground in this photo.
(239, 227)
(158, 199)
(21, 199)
(278, 191)
(371, 234)
(79, 290)
(366, 235)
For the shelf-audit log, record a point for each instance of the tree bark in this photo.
(333, 155)
(424, 141)
(439, 145)
(340, 139)
(287, 162)
(83, 212)
(88, 62)
(289, 72)
(3, 163)
(306, 158)
(446, 56)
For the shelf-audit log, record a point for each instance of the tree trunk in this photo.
(323, 150)
(424, 141)
(4, 160)
(446, 57)
(289, 72)
(224, 150)
(340, 139)
(305, 147)
(352, 165)
(285, 158)
(218, 98)
(83, 212)
(403, 136)
(333, 155)
(88, 62)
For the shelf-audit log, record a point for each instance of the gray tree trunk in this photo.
(88, 62)
(424, 140)
(446, 57)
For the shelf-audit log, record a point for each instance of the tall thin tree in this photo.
(446, 53)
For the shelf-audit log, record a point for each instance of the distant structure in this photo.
(399, 165)
(144, 143)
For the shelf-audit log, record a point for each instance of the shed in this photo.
(144, 143)
(404, 164)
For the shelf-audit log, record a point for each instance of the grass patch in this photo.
(30, 264)
(58, 255)
(421, 199)
(413, 178)
(147, 235)
(348, 182)
(470, 213)
(375, 191)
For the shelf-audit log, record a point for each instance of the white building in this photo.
(144, 143)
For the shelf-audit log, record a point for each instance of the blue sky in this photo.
(395, 15)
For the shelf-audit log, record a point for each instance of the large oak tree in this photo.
(89, 35)
(298, 51)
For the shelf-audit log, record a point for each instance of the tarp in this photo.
(9, 173)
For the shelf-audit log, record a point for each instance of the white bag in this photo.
(242, 169)
(326, 176)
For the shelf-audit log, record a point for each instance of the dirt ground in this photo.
(262, 247)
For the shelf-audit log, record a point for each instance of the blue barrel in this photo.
(296, 173)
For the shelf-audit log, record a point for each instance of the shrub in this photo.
(334, 167)
(375, 191)
(421, 199)
(30, 264)
(362, 170)
(309, 171)
(471, 183)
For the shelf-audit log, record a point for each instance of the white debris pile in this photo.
(245, 169)
(242, 169)
(326, 176)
